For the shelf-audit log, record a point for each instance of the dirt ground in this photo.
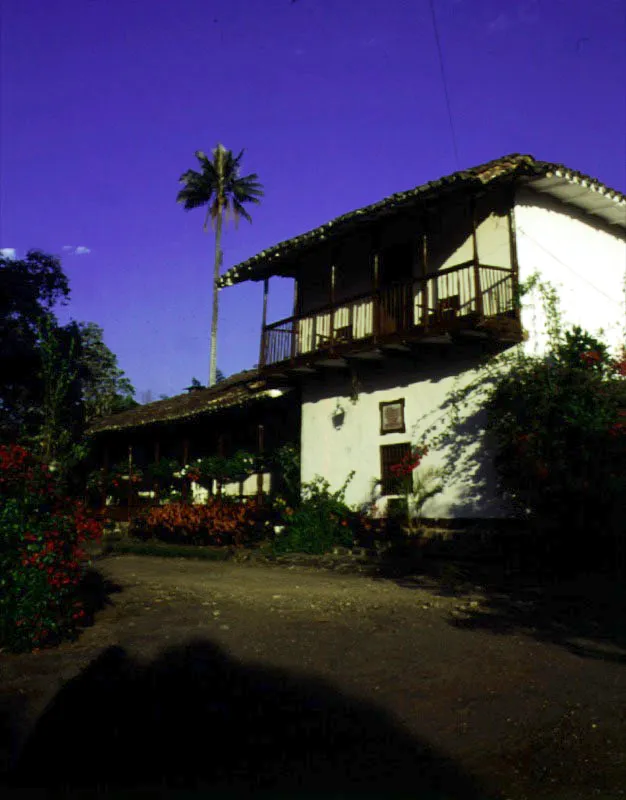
(246, 676)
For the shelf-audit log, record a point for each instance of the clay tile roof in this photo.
(552, 178)
(237, 390)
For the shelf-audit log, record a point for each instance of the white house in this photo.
(395, 303)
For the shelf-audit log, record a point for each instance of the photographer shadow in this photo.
(195, 719)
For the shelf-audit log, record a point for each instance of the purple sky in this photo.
(338, 104)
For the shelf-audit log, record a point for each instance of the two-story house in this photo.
(394, 305)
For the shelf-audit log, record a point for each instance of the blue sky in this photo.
(337, 104)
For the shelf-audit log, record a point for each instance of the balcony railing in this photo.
(435, 302)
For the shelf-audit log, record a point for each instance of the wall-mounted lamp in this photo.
(338, 416)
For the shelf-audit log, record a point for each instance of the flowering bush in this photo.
(419, 486)
(204, 471)
(320, 522)
(41, 558)
(560, 427)
(221, 521)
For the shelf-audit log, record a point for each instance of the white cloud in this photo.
(8, 252)
(81, 250)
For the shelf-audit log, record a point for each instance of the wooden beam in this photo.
(264, 322)
(513, 256)
(332, 302)
(425, 255)
(294, 322)
(477, 290)
(375, 288)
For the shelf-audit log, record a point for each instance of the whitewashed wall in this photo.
(333, 452)
(585, 263)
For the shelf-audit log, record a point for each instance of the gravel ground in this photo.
(411, 695)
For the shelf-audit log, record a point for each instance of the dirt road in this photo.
(408, 697)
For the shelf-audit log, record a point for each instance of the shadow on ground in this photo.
(196, 719)
(525, 589)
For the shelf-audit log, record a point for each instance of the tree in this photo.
(218, 186)
(29, 290)
(105, 388)
(53, 379)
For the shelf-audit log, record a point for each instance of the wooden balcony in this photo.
(464, 297)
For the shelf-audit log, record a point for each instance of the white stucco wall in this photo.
(584, 262)
(333, 453)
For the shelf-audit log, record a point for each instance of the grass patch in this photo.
(165, 550)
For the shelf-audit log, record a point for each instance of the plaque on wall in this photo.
(392, 417)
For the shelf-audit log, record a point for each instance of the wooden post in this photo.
(513, 258)
(157, 457)
(130, 476)
(424, 274)
(477, 290)
(220, 451)
(105, 474)
(332, 302)
(259, 475)
(263, 323)
(375, 286)
(185, 461)
(294, 320)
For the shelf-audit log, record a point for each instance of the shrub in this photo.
(41, 558)
(221, 521)
(559, 425)
(321, 521)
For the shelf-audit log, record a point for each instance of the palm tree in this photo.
(221, 188)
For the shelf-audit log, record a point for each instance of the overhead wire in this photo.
(445, 84)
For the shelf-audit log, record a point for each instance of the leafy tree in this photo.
(29, 290)
(105, 388)
(218, 186)
(53, 379)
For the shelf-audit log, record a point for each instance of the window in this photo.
(392, 417)
(391, 454)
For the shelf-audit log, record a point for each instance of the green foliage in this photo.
(41, 557)
(105, 389)
(54, 379)
(29, 290)
(221, 468)
(162, 472)
(286, 460)
(319, 523)
(559, 430)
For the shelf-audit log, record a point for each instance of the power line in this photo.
(567, 266)
(445, 84)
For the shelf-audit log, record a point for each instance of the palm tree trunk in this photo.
(216, 275)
